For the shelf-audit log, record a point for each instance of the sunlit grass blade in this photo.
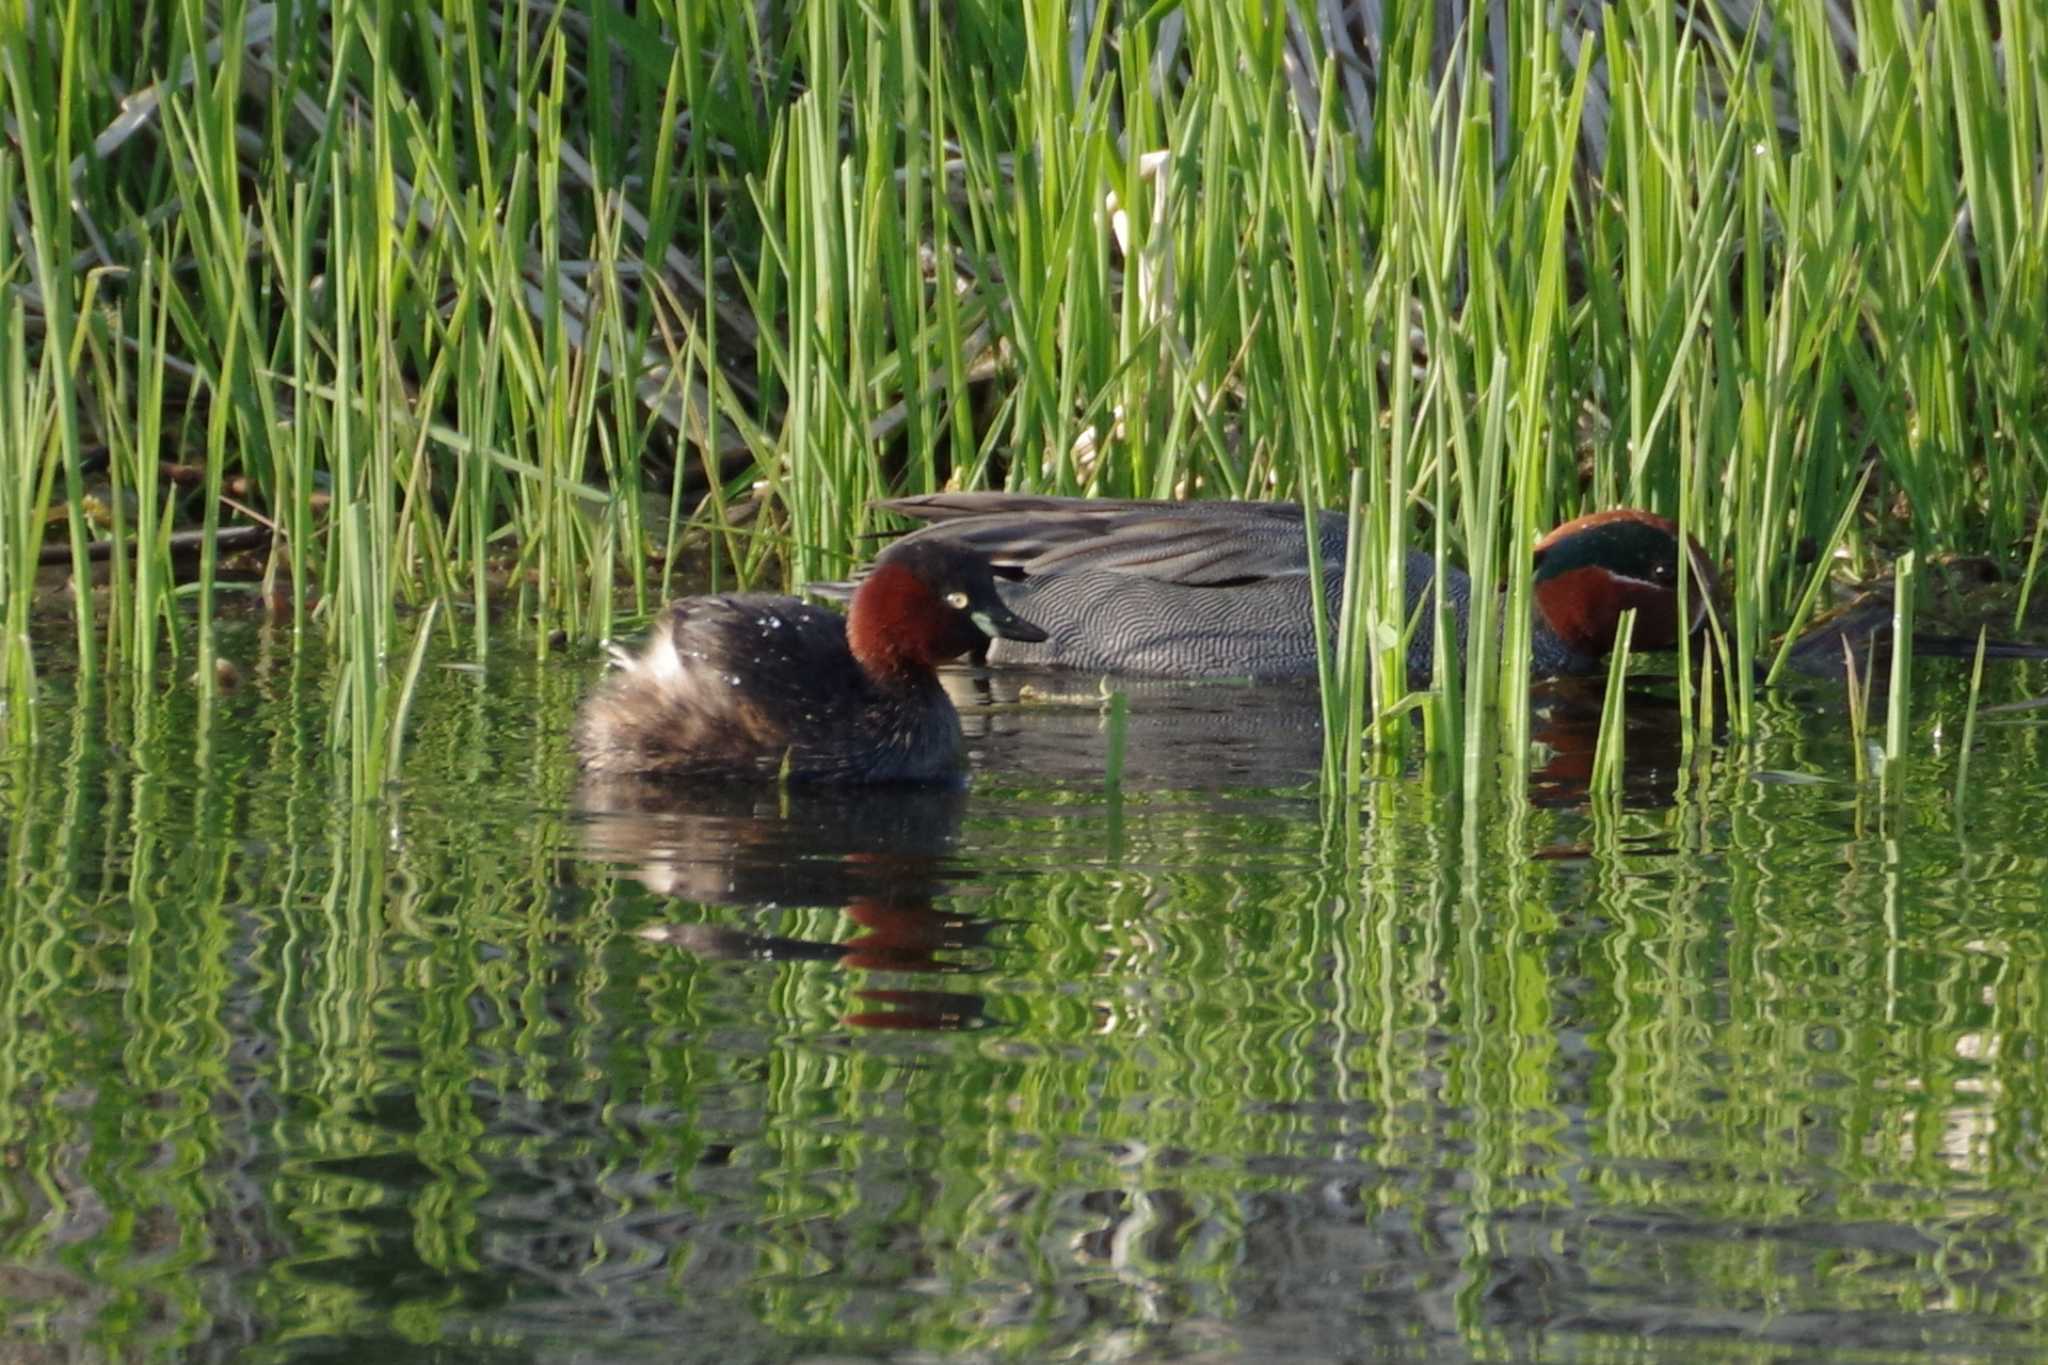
(408, 686)
(1859, 679)
(405, 292)
(41, 130)
(1610, 751)
(1116, 724)
(1969, 737)
(1899, 701)
(1824, 560)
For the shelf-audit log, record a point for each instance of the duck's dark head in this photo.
(925, 601)
(1590, 570)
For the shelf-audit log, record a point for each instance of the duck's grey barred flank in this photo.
(1176, 589)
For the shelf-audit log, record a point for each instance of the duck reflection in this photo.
(1046, 726)
(1565, 726)
(880, 853)
(1201, 735)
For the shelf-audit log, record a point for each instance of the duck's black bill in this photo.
(1000, 620)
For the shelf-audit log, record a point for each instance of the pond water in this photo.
(1203, 1067)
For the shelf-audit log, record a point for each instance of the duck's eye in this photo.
(957, 601)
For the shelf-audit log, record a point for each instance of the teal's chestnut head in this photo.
(1591, 569)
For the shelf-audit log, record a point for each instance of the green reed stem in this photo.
(1859, 678)
(1610, 758)
(423, 635)
(44, 138)
(1898, 709)
(775, 264)
(1969, 738)
(1116, 724)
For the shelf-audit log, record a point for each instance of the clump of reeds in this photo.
(514, 308)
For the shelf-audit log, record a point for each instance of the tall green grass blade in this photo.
(408, 686)
(1824, 560)
(1969, 738)
(1116, 725)
(1899, 701)
(1610, 756)
(459, 308)
(42, 128)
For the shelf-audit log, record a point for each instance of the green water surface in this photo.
(494, 1067)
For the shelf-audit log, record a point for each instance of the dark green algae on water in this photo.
(498, 1066)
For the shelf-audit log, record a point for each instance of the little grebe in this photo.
(752, 685)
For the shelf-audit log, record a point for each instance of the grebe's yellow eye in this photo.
(957, 601)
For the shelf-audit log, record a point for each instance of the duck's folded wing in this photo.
(1190, 552)
(1191, 544)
